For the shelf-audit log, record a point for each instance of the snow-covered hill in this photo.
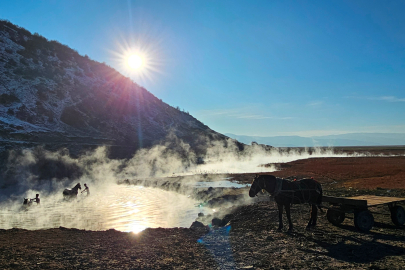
(49, 94)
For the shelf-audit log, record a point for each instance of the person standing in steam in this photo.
(36, 199)
(86, 189)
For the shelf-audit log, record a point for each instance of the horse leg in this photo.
(287, 211)
(315, 214)
(312, 219)
(280, 216)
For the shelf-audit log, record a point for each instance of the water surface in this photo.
(121, 207)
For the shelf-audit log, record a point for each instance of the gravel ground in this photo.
(247, 237)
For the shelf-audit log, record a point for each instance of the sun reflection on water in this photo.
(119, 207)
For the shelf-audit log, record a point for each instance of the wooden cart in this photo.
(363, 218)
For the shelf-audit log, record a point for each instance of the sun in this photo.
(139, 60)
(135, 62)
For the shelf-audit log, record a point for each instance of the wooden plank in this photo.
(345, 201)
(362, 201)
(378, 200)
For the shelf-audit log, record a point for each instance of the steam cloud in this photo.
(40, 171)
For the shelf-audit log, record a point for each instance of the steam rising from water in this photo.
(48, 173)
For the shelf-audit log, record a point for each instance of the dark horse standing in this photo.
(71, 193)
(290, 192)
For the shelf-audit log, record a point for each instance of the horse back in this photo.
(306, 191)
(309, 183)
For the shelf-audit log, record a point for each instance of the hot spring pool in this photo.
(121, 207)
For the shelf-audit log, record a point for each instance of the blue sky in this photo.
(259, 68)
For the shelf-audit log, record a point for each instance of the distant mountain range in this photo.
(50, 95)
(350, 139)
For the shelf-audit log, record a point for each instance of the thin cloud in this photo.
(315, 103)
(258, 116)
(388, 98)
(381, 98)
(218, 112)
(240, 114)
(254, 116)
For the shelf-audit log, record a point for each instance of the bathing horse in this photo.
(287, 192)
(71, 193)
(27, 202)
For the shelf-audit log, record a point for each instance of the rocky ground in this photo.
(249, 239)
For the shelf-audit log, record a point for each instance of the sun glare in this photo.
(141, 61)
(135, 61)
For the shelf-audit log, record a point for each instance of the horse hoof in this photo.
(308, 228)
(279, 229)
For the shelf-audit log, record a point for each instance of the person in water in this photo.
(36, 199)
(86, 189)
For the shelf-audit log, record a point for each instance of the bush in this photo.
(16, 33)
(24, 114)
(78, 73)
(12, 63)
(7, 99)
(30, 50)
(24, 61)
(19, 71)
(31, 73)
(73, 117)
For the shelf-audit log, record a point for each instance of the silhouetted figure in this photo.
(86, 189)
(36, 199)
(27, 202)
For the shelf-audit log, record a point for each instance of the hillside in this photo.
(50, 95)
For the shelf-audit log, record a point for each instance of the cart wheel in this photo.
(398, 215)
(335, 217)
(363, 220)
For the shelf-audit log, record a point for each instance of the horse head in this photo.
(262, 182)
(79, 186)
(255, 187)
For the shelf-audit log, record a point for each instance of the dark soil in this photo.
(249, 239)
